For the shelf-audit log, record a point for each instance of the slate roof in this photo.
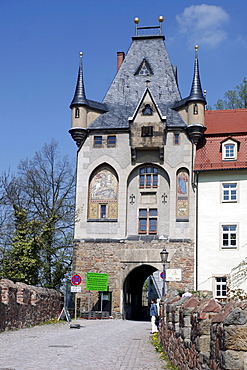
(221, 125)
(127, 88)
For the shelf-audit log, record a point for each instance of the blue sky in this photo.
(40, 43)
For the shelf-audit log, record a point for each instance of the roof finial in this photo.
(161, 19)
(136, 21)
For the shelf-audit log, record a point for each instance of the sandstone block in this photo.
(203, 343)
(236, 337)
(231, 360)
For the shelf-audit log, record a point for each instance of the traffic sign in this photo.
(163, 275)
(76, 280)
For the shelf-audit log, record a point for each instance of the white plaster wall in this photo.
(175, 157)
(212, 260)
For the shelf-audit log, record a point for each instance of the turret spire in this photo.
(196, 89)
(80, 96)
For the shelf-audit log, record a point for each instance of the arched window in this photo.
(148, 177)
(103, 194)
(182, 194)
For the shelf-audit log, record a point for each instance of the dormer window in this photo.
(147, 131)
(147, 110)
(229, 150)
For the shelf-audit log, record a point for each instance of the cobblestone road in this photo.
(98, 344)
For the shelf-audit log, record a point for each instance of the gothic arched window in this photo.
(103, 194)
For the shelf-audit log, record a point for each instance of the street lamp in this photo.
(164, 258)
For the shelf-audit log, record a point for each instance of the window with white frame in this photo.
(229, 236)
(229, 192)
(220, 287)
(229, 150)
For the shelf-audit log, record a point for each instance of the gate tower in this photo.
(134, 193)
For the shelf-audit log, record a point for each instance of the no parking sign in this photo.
(76, 280)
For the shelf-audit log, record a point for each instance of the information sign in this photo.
(173, 274)
(97, 281)
(75, 289)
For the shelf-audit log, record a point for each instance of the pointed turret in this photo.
(196, 105)
(80, 96)
(196, 88)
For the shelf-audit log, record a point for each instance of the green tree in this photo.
(234, 99)
(22, 262)
(44, 188)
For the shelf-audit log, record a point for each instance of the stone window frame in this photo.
(148, 219)
(111, 141)
(147, 131)
(176, 138)
(97, 141)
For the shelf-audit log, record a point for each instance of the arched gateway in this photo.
(135, 298)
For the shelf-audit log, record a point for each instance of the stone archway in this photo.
(132, 293)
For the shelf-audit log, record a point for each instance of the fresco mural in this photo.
(182, 195)
(103, 189)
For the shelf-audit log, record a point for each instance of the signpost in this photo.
(76, 280)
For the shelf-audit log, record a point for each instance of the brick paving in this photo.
(98, 344)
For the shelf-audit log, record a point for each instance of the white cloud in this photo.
(203, 24)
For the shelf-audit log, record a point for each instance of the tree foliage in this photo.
(234, 99)
(22, 261)
(41, 197)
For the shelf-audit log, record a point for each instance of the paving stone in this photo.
(98, 344)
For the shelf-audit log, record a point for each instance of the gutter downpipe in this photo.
(196, 231)
(194, 183)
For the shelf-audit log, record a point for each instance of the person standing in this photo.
(153, 314)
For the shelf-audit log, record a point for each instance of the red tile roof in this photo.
(222, 124)
(225, 121)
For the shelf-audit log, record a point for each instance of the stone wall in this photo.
(204, 334)
(22, 305)
(118, 259)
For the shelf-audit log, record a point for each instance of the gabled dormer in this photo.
(147, 126)
(229, 148)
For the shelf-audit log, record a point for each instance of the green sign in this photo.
(97, 281)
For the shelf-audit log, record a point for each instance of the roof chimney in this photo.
(120, 59)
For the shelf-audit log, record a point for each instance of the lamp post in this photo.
(164, 258)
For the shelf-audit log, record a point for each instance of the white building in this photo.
(221, 175)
